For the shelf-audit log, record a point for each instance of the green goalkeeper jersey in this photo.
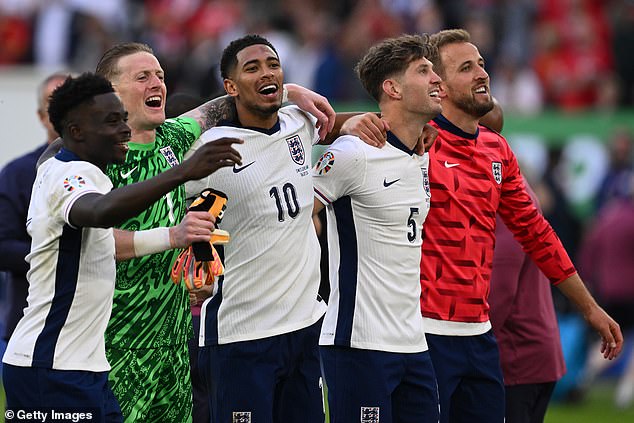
(148, 310)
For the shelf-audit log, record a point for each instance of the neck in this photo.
(406, 126)
(462, 120)
(143, 136)
(252, 119)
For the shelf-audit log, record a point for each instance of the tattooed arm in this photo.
(210, 113)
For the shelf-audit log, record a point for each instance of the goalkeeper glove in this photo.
(196, 273)
(214, 202)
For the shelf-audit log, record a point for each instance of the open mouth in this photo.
(268, 90)
(481, 90)
(154, 101)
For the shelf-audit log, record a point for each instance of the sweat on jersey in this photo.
(71, 279)
(149, 311)
(272, 261)
(473, 177)
(376, 201)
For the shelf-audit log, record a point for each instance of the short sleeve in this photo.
(340, 171)
(76, 181)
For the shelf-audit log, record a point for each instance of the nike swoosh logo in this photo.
(127, 174)
(240, 169)
(448, 165)
(387, 184)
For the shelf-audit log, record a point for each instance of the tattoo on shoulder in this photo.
(221, 108)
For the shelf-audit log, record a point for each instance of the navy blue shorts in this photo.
(67, 392)
(372, 386)
(470, 382)
(274, 379)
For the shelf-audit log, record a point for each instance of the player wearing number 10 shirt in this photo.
(272, 262)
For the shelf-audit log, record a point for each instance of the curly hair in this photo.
(229, 58)
(73, 93)
(391, 57)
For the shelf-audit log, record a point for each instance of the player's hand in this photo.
(211, 157)
(198, 296)
(195, 273)
(197, 226)
(609, 330)
(426, 139)
(315, 104)
(369, 127)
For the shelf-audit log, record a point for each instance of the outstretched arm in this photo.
(224, 108)
(96, 210)
(195, 227)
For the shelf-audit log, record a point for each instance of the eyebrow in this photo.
(268, 59)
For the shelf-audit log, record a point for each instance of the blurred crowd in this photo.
(566, 54)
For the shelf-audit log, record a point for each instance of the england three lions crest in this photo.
(496, 168)
(296, 149)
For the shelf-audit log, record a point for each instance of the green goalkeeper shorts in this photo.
(152, 385)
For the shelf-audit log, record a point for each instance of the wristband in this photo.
(151, 241)
(284, 94)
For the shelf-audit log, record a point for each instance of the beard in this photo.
(469, 105)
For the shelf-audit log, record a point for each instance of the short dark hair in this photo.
(73, 93)
(390, 57)
(107, 66)
(443, 38)
(229, 58)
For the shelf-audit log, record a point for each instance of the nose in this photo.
(482, 73)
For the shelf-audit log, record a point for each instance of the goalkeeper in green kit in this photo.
(146, 338)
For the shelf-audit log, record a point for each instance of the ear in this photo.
(74, 131)
(392, 89)
(230, 87)
(442, 93)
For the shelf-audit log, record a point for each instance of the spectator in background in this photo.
(617, 180)
(606, 261)
(16, 182)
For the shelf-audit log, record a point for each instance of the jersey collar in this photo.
(236, 124)
(65, 155)
(393, 140)
(444, 123)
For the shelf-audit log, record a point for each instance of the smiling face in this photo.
(100, 130)
(256, 82)
(420, 87)
(465, 82)
(140, 83)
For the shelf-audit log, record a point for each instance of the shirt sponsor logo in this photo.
(169, 156)
(496, 168)
(241, 417)
(325, 162)
(369, 414)
(296, 149)
(74, 182)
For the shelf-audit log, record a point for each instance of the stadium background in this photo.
(563, 71)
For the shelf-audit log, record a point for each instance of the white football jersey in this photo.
(272, 260)
(377, 201)
(72, 274)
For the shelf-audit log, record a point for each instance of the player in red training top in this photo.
(474, 175)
